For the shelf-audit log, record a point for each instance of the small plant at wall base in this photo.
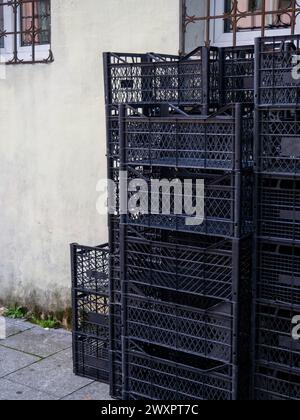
(42, 320)
(15, 312)
(48, 323)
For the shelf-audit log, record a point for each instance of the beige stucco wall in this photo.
(52, 145)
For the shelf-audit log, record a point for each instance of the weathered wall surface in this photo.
(52, 145)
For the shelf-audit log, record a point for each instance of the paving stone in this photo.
(92, 392)
(12, 360)
(10, 391)
(15, 326)
(52, 375)
(40, 342)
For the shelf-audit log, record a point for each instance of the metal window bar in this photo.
(25, 26)
(234, 15)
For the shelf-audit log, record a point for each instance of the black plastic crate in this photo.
(91, 314)
(278, 273)
(278, 141)
(155, 373)
(148, 79)
(205, 330)
(274, 341)
(90, 304)
(158, 374)
(227, 203)
(237, 75)
(202, 266)
(188, 323)
(279, 208)
(223, 141)
(272, 383)
(276, 60)
(90, 267)
(91, 357)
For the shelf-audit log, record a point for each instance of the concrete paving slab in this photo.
(40, 342)
(52, 375)
(92, 392)
(10, 391)
(13, 360)
(15, 326)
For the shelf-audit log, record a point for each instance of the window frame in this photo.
(213, 28)
(221, 38)
(22, 18)
(13, 51)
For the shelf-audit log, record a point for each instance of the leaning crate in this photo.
(279, 208)
(90, 301)
(278, 141)
(273, 384)
(237, 75)
(275, 343)
(91, 314)
(90, 268)
(278, 273)
(277, 76)
(149, 79)
(223, 141)
(224, 201)
(91, 355)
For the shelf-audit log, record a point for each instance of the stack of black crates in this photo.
(277, 370)
(180, 295)
(198, 311)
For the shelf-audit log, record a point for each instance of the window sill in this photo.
(43, 54)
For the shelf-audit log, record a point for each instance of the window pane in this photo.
(35, 22)
(280, 19)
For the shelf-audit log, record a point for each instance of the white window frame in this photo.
(220, 38)
(24, 52)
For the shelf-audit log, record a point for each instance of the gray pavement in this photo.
(36, 364)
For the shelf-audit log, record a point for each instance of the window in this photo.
(35, 22)
(236, 22)
(253, 14)
(25, 31)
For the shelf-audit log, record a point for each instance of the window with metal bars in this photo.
(25, 31)
(211, 18)
(249, 14)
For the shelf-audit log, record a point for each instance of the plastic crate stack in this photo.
(147, 83)
(90, 311)
(277, 371)
(180, 295)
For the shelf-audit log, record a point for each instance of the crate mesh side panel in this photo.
(277, 86)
